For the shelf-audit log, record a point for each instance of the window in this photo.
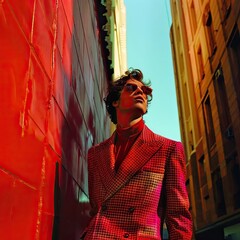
(193, 17)
(226, 8)
(210, 33)
(233, 171)
(190, 140)
(189, 193)
(202, 172)
(223, 112)
(218, 194)
(209, 122)
(200, 63)
(235, 61)
(214, 164)
(222, 100)
(208, 215)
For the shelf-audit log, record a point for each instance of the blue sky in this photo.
(149, 49)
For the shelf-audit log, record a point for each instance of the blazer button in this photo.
(104, 208)
(126, 235)
(131, 209)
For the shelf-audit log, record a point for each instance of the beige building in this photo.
(206, 54)
(115, 27)
(120, 42)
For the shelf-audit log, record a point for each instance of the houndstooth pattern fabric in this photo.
(148, 188)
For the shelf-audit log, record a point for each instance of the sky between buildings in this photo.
(149, 49)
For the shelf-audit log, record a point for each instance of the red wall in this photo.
(52, 85)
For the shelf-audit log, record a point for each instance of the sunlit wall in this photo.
(206, 52)
(53, 80)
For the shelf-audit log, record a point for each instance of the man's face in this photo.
(133, 99)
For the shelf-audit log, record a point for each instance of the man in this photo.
(136, 177)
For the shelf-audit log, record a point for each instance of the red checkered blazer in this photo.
(148, 188)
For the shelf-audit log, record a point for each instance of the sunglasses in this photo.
(130, 87)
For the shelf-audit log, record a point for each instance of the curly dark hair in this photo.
(116, 87)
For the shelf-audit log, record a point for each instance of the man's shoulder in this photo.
(101, 144)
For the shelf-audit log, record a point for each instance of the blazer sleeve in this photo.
(178, 217)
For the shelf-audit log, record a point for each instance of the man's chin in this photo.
(141, 111)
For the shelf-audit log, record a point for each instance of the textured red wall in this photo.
(52, 85)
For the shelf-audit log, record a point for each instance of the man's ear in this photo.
(115, 103)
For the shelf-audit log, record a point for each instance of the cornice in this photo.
(103, 13)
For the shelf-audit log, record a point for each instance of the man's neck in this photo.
(127, 124)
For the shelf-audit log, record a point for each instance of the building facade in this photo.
(115, 12)
(206, 54)
(56, 62)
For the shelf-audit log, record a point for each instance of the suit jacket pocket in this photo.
(153, 169)
(147, 232)
(146, 237)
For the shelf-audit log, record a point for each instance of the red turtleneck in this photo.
(125, 138)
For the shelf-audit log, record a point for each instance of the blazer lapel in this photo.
(144, 148)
